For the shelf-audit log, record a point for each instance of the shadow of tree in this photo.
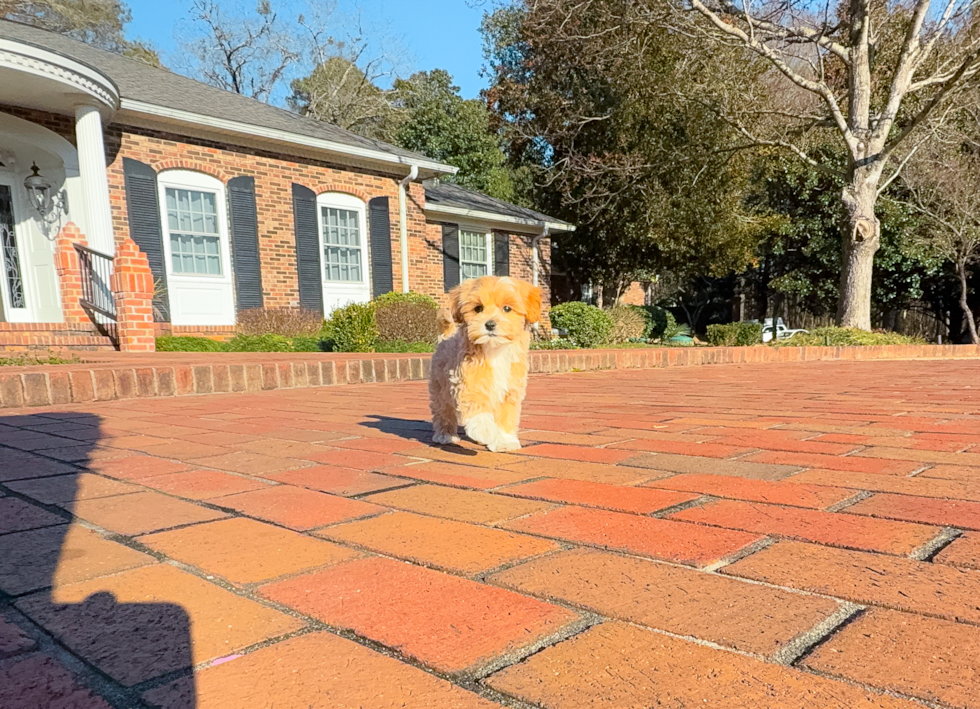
(58, 651)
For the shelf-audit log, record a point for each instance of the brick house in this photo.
(134, 201)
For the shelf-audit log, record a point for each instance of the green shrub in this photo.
(170, 343)
(406, 321)
(387, 298)
(260, 343)
(403, 346)
(305, 343)
(655, 319)
(627, 324)
(288, 322)
(353, 328)
(736, 334)
(585, 325)
(555, 344)
(846, 337)
(673, 329)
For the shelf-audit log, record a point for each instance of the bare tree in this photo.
(343, 86)
(249, 55)
(944, 183)
(875, 74)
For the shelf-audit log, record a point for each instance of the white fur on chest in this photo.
(500, 361)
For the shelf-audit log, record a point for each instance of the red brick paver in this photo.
(772, 535)
(444, 621)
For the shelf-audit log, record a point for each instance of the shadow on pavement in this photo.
(51, 573)
(413, 430)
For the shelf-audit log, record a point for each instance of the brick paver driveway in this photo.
(796, 535)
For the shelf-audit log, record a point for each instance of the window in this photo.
(474, 254)
(195, 241)
(342, 260)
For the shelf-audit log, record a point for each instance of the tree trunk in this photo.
(861, 242)
(964, 301)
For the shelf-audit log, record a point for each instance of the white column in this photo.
(95, 183)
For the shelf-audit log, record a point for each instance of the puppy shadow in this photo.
(414, 430)
(57, 580)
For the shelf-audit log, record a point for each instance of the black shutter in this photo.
(501, 253)
(380, 225)
(245, 242)
(307, 248)
(450, 255)
(143, 209)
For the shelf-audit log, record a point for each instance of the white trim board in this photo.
(274, 135)
(440, 212)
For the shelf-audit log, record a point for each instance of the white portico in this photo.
(73, 186)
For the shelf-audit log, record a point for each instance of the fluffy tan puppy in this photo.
(479, 369)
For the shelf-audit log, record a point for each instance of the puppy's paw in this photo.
(444, 438)
(505, 442)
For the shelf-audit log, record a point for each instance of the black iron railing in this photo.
(96, 270)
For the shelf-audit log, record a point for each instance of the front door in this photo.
(344, 247)
(29, 291)
(199, 283)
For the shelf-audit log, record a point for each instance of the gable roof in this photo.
(446, 199)
(154, 92)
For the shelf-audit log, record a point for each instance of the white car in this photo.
(781, 331)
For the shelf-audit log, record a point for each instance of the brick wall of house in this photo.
(274, 174)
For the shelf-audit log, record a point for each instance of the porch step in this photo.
(20, 337)
(121, 375)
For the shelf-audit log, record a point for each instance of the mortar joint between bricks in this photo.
(850, 501)
(681, 506)
(929, 550)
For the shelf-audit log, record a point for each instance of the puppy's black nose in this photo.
(490, 325)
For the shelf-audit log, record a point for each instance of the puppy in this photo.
(479, 369)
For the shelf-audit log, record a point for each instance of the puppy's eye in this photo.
(507, 308)
(478, 309)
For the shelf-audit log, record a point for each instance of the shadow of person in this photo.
(66, 640)
(412, 430)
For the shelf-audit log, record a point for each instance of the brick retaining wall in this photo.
(128, 376)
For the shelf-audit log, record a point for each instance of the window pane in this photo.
(472, 255)
(341, 245)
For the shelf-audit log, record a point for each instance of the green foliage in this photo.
(623, 136)
(30, 359)
(673, 329)
(170, 343)
(557, 343)
(439, 123)
(654, 320)
(628, 323)
(802, 245)
(736, 334)
(583, 324)
(846, 337)
(354, 328)
(410, 297)
(404, 346)
(268, 342)
(307, 343)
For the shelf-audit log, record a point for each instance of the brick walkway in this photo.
(769, 535)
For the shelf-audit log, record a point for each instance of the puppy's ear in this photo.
(456, 297)
(532, 302)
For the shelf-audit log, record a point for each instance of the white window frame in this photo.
(198, 182)
(487, 235)
(348, 202)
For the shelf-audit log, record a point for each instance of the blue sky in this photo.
(435, 34)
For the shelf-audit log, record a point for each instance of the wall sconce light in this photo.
(39, 191)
